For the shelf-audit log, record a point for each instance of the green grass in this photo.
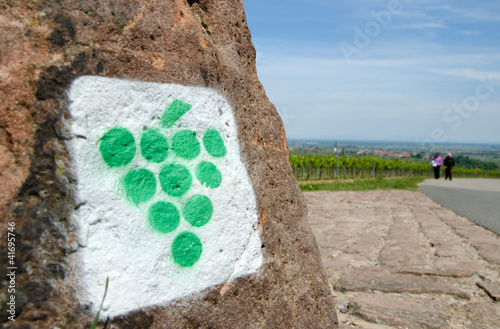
(96, 319)
(407, 183)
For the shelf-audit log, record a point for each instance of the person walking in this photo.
(449, 163)
(437, 164)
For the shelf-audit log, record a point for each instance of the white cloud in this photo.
(470, 74)
(470, 33)
(421, 26)
(475, 14)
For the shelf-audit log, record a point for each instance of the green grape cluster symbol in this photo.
(118, 148)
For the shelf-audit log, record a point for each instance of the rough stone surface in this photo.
(492, 289)
(482, 316)
(369, 280)
(399, 260)
(44, 46)
(401, 311)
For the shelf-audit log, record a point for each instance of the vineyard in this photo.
(310, 167)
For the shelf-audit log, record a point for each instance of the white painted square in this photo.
(115, 237)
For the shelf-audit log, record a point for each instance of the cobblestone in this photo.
(396, 259)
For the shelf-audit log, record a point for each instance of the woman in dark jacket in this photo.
(449, 163)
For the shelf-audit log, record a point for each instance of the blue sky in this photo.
(396, 70)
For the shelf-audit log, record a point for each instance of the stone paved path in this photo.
(396, 259)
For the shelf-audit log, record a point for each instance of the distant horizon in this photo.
(384, 141)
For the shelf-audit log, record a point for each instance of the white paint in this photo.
(114, 235)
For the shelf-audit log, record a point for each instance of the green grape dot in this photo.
(163, 217)
(185, 144)
(117, 147)
(140, 185)
(214, 144)
(198, 210)
(175, 179)
(186, 249)
(208, 174)
(154, 146)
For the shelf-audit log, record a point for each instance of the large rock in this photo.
(64, 193)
